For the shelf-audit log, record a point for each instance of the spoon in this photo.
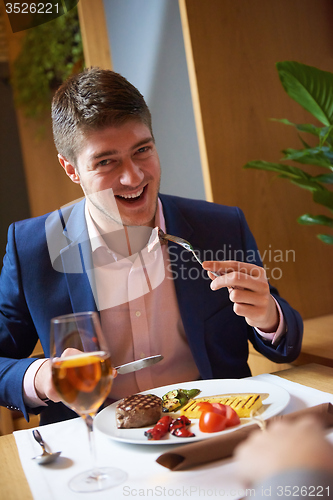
(183, 243)
(45, 457)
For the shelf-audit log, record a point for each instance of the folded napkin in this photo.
(223, 446)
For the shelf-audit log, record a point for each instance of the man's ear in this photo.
(70, 169)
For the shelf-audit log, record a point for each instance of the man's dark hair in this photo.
(93, 100)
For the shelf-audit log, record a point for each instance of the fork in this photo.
(183, 243)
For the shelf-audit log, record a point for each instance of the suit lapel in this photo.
(191, 288)
(77, 261)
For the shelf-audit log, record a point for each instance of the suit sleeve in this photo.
(18, 336)
(290, 345)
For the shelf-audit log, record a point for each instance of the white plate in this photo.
(276, 401)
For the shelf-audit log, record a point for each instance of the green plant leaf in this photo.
(305, 144)
(312, 88)
(286, 170)
(326, 133)
(320, 156)
(296, 176)
(323, 197)
(310, 220)
(326, 238)
(324, 178)
(283, 120)
(302, 127)
(306, 184)
(50, 53)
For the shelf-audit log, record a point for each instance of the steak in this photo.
(139, 410)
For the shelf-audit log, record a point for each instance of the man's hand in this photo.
(43, 379)
(248, 290)
(44, 384)
(284, 446)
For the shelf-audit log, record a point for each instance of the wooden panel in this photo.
(196, 102)
(13, 482)
(260, 364)
(6, 421)
(48, 186)
(312, 375)
(235, 47)
(317, 346)
(94, 34)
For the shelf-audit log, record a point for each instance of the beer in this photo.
(83, 381)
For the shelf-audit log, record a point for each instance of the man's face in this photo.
(122, 159)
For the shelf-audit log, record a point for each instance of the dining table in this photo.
(20, 479)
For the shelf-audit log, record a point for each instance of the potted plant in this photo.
(312, 88)
(50, 53)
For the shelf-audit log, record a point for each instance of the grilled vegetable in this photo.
(171, 394)
(243, 404)
(178, 423)
(191, 393)
(182, 432)
(171, 405)
(177, 427)
(177, 398)
(160, 429)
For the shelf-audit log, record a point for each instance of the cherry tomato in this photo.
(225, 416)
(212, 422)
(232, 417)
(219, 408)
(205, 406)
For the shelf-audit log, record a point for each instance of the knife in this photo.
(138, 364)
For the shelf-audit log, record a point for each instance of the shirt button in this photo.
(137, 314)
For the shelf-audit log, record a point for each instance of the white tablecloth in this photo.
(146, 478)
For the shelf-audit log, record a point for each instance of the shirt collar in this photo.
(97, 240)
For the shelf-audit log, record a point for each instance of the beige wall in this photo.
(235, 45)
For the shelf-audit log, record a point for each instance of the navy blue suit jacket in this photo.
(33, 290)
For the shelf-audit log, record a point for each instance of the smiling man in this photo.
(95, 255)
(131, 168)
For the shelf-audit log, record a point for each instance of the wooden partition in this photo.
(95, 40)
(47, 184)
(235, 45)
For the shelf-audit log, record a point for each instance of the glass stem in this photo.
(90, 426)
